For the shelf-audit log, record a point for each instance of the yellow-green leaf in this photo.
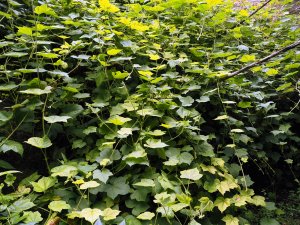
(247, 58)
(89, 184)
(110, 214)
(154, 57)
(106, 6)
(222, 203)
(118, 120)
(230, 220)
(44, 9)
(24, 30)
(146, 216)
(58, 206)
(113, 51)
(223, 117)
(272, 72)
(90, 215)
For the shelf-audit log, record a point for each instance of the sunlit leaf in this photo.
(146, 216)
(58, 206)
(56, 119)
(191, 174)
(38, 142)
(110, 214)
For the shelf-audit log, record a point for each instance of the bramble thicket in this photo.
(181, 112)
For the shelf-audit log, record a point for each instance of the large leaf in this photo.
(191, 174)
(37, 91)
(43, 184)
(10, 145)
(58, 206)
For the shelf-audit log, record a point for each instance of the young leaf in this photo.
(146, 216)
(118, 120)
(154, 143)
(191, 174)
(90, 215)
(230, 220)
(145, 183)
(110, 214)
(44, 9)
(113, 51)
(222, 203)
(58, 206)
(38, 142)
(89, 184)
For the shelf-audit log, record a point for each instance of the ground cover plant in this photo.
(139, 112)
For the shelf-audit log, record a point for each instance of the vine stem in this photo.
(16, 128)
(294, 45)
(253, 13)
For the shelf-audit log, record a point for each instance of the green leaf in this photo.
(37, 91)
(89, 130)
(64, 171)
(230, 220)
(247, 58)
(110, 214)
(222, 203)
(57, 119)
(145, 183)
(10, 145)
(117, 186)
(38, 142)
(155, 143)
(149, 111)
(102, 175)
(58, 206)
(48, 55)
(124, 132)
(32, 217)
(91, 215)
(156, 133)
(244, 105)
(15, 54)
(20, 205)
(120, 75)
(280, 88)
(89, 184)
(5, 116)
(8, 86)
(186, 101)
(146, 216)
(258, 200)
(118, 120)
(205, 149)
(71, 110)
(226, 185)
(191, 174)
(43, 184)
(268, 221)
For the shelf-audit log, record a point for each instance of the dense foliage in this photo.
(121, 113)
